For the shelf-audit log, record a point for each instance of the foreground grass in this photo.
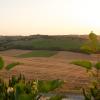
(19, 89)
(38, 53)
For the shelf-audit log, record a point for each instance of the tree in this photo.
(92, 45)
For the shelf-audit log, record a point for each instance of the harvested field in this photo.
(44, 68)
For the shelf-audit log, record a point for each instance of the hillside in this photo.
(42, 42)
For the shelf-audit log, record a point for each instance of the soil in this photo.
(44, 68)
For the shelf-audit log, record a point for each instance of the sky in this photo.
(50, 17)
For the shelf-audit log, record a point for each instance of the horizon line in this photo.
(50, 35)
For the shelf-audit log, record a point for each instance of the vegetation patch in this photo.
(85, 63)
(19, 89)
(42, 42)
(38, 53)
(10, 66)
(1, 63)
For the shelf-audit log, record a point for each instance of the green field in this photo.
(42, 42)
(39, 53)
(58, 43)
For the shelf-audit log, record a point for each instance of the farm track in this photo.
(55, 67)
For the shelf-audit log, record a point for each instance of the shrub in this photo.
(20, 89)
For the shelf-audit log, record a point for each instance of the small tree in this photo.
(92, 45)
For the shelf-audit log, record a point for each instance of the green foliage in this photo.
(83, 63)
(92, 36)
(97, 66)
(92, 94)
(19, 89)
(38, 53)
(10, 66)
(86, 49)
(57, 97)
(1, 63)
(92, 45)
(95, 92)
(25, 97)
(46, 86)
(87, 96)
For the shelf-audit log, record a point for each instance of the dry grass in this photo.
(55, 67)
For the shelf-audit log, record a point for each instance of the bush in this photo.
(20, 89)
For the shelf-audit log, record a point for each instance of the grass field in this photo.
(42, 43)
(39, 53)
(50, 44)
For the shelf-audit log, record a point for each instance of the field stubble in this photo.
(44, 68)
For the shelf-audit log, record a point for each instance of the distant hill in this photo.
(42, 42)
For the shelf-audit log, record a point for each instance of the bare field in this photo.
(55, 67)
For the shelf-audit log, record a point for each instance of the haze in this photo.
(51, 17)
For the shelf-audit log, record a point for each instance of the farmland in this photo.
(46, 58)
(38, 53)
(57, 66)
(41, 42)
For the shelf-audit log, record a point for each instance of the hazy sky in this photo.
(25, 17)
